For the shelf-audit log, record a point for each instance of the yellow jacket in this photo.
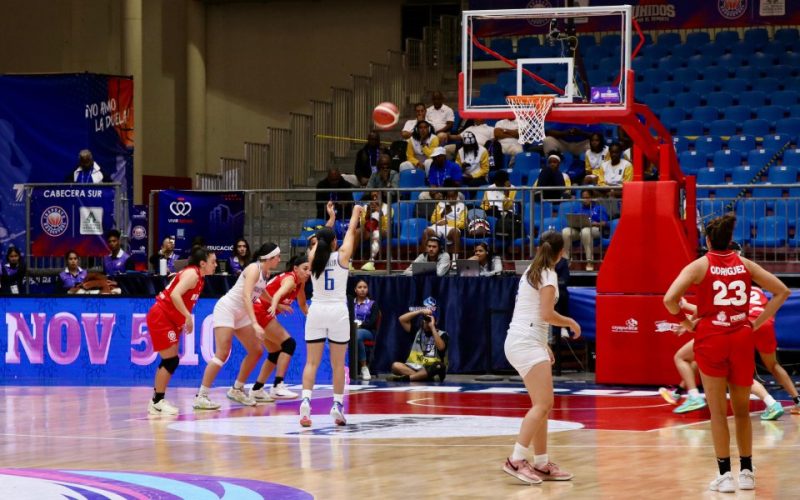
(457, 218)
(415, 150)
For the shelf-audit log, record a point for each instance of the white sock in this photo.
(694, 393)
(520, 452)
(306, 394)
(238, 385)
(769, 400)
(338, 398)
(540, 460)
(203, 391)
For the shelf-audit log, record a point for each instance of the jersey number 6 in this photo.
(328, 281)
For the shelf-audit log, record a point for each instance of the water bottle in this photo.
(162, 267)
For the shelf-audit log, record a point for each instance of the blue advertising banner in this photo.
(71, 217)
(104, 341)
(138, 237)
(217, 218)
(45, 120)
(650, 14)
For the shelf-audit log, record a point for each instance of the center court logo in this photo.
(54, 221)
(180, 208)
(631, 326)
(367, 426)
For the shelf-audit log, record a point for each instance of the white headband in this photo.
(554, 156)
(272, 254)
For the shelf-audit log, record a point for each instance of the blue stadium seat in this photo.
(758, 158)
(716, 73)
(785, 98)
(786, 36)
(610, 41)
(712, 208)
(747, 73)
(508, 80)
(743, 174)
(770, 113)
(569, 207)
(734, 85)
(789, 208)
(737, 113)
(689, 128)
(685, 74)
(776, 141)
(669, 40)
(767, 191)
(791, 157)
(687, 100)
(726, 160)
(612, 229)
(742, 143)
(794, 110)
(692, 161)
(710, 175)
(789, 126)
(726, 38)
(586, 41)
(703, 87)
(681, 144)
(722, 128)
(756, 37)
(526, 161)
(671, 87)
(699, 62)
(656, 102)
(742, 232)
(402, 211)
(595, 53)
(412, 178)
(732, 60)
(705, 114)
(720, 99)
(503, 46)
(671, 116)
(308, 228)
(712, 50)
(756, 127)
(640, 64)
(654, 75)
(771, 232)
(768, 84)
(493, 92)
(750, 209)
(684, 51)
(698, 38)
(753, 98)
(526, 45)
(410, 233)
(556, 223)
(708, 145)
(654, 51)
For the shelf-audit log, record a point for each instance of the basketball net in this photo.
(530, 111)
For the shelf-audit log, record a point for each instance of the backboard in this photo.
(582, 55)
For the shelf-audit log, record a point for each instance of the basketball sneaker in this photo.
(337, 413)
(163, 407)
(365, 374)
(305, 413)
(723, 483)
(670, 395)
(773, 411)
(281, 392)
(522, 470)
(239, 396)
(551, 472)
(202, 402)
(261, 396)
(368, 266)
(691, 404)
(747, 480)
(795, 409)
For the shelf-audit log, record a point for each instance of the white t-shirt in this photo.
(509, 125)
(613, 174)
(496, 198)
(439, 117)
(527, 320)
(330, 287)
(409, 126)
(596, 160)
(483, 133)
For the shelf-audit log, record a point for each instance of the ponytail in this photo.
(198, 255)
(546, 256)
(720, 231)
(322, 252)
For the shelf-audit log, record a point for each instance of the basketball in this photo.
(385, 115)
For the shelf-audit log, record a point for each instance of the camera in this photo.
(427, 318)
(554, 32)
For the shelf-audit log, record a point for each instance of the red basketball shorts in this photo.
(765, 340)
(163, 332)
(728, 355)
(262, 316)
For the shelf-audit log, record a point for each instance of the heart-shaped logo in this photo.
(180, 208)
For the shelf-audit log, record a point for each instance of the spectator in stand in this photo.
(367, 160)
(507, 133)
(73, 275)
(449, 218)
(595, 156)
(482, 132)
(616, 169)
(650, 170)
(434, 252)
(87, 171)
(167, 252)
(495, 201)
(385, 177)
(419, 116)
(598, 218)
(569, 137)
(427, 358)
(474, 160)
(116, 262)
(626, 143)
(240, 258)
(440, 169)
(551, 176)
(364, 312)
(441, 116)
(12, 277)
(342, 200)
(489, 264)
(420, 146)
(374, 225)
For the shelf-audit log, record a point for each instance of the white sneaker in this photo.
(202, 402)
(305, 413)
(261, 396)
(281, 392)
(239, 396)
(365, 375)
(747, 480)
(337, 414)
(723, 483)
(163, 407)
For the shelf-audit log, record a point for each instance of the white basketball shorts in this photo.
(524, 352)
(328, 321)
(230, 315)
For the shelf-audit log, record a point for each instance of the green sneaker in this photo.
(691, 404)
(773, 412)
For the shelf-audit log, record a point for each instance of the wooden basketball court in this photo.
(401, 441)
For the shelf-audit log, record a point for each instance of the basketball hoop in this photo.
(530, 111)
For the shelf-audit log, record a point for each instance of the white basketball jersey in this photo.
(330, 287)
(527, 319)
(234, 295)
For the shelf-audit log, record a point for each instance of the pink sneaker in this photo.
(522, 470)
(551, 472)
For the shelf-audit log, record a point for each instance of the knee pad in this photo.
(288, 346)
(273, 357)
(170, 364)
(217, 361)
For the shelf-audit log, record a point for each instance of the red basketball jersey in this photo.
(724, 294)
(275, 284)
(758, 300)
(189, 298)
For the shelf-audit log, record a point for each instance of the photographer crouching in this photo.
(427, 358)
